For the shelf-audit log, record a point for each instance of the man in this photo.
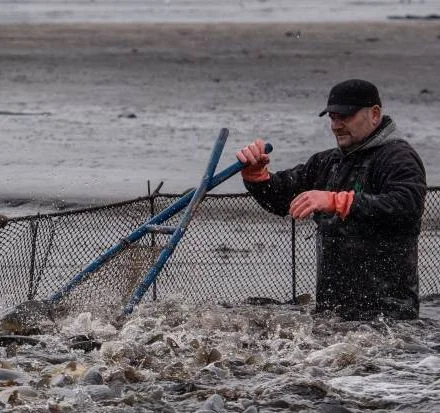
(366, 197)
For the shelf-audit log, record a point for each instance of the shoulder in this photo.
(394, 143)
(397, 156)
(399, 147)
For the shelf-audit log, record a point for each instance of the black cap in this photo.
(348, 97)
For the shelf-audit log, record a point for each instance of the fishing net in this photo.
(107, 290)
(232, 251)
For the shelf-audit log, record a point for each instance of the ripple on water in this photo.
(173, 356)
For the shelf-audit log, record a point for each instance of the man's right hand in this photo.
(255, 157)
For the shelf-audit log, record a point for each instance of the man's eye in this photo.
(338, 117)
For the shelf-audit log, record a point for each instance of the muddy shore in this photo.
(93, 111)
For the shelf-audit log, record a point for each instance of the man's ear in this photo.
(376, 114)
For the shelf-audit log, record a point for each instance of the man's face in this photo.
(350, 130)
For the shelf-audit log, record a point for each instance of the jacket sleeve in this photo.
(400, 189)
(275, 194)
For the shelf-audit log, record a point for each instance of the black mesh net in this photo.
(232, 251)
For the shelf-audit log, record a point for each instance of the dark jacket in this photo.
(367, 262)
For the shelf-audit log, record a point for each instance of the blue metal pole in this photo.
(142, 230)
(198, 196)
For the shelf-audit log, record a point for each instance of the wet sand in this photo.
(93, 111)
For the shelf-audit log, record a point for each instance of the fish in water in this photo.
(29, 318)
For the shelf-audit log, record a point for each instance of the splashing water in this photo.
(173, 356)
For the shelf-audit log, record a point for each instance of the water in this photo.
(92, 113)
(172, 357)
(68, 139)
(35, 11)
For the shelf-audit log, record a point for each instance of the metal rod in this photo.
(138, 233)
(43, 264)
(293, 262)
(34, 229)
(167, 251)
(153, 237)
(161, 229)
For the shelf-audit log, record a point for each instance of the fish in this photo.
(32, 317)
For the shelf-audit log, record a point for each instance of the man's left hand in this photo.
(309, 202)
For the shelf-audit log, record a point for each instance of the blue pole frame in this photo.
(192, 199)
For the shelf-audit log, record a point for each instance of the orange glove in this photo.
(254, 155)
(308, 202)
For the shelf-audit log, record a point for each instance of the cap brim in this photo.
(345, 110)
